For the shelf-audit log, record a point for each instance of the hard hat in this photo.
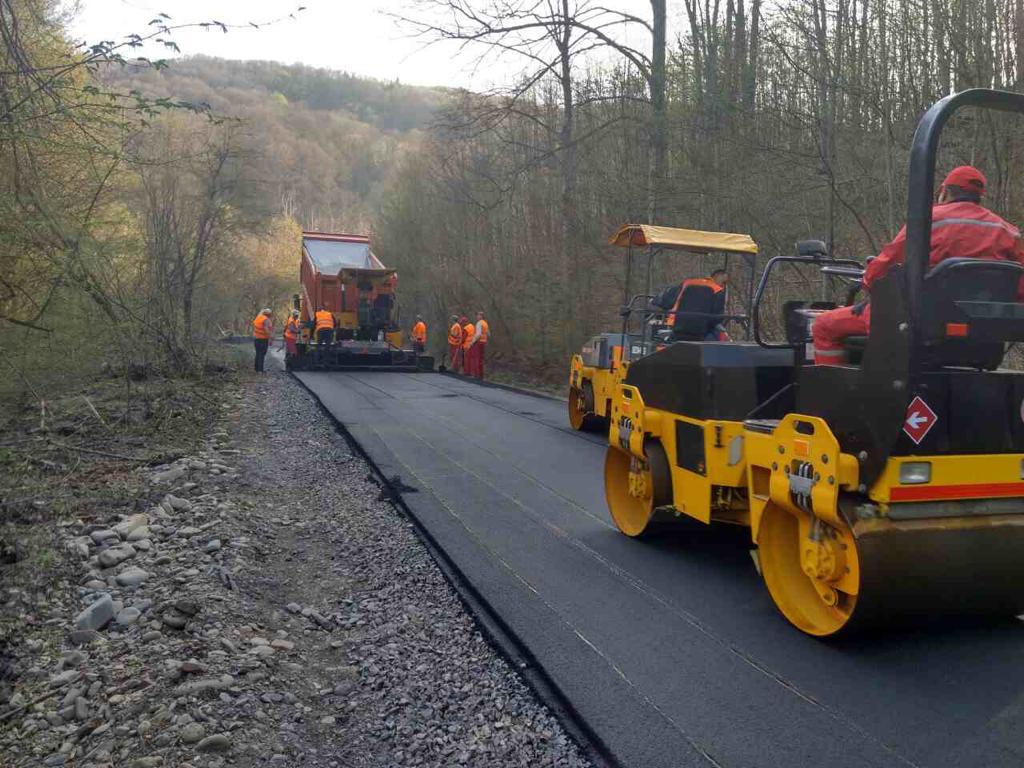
(268, 311)
(295, 313)
(966, 177)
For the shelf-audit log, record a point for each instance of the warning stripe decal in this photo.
(966, 491)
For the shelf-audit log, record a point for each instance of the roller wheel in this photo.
(634, 488)
(581, 415)
(577, 409)
(811, 570)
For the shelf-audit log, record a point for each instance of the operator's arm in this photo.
(667, 299)
(891, 254)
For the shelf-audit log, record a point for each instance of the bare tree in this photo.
(186, 212)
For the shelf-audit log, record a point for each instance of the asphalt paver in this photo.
(670, 650)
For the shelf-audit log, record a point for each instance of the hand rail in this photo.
(763, 282)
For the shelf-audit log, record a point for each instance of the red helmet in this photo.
(966, 177)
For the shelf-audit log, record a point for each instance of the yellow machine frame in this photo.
(594, 407)
(756, 478)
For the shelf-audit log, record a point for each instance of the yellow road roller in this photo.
(882, 492)
(597, 370)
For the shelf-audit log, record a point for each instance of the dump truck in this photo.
(340, 274)
(889, 491)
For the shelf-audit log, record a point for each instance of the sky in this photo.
(356, 36)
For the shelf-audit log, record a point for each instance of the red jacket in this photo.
(959, 230)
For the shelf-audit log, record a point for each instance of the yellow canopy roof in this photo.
(692, 240)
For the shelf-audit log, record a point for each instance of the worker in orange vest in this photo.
(455, 343)
(419, 335)
(468, 332)
(699, 307)
(323, 326)
(291, 334)
(323, 330)
(481, 334)
(262, 331)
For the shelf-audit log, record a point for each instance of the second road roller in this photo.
(882, 492)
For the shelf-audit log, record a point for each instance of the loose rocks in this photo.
(116, 555)
(97, 615)
(128, 616)
(102, 535)
(125, 528)
(131, 577)
(218, 742)
(169, 476)
(261, 619)
(192, 733)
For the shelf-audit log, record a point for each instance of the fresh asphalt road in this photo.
(670, 651)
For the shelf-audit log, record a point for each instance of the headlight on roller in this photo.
(915, 472)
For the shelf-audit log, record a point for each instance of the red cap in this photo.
(966, 177)
(463, 319)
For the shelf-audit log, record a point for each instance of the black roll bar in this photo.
(921, 187)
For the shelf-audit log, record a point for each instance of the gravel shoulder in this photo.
(259, 602)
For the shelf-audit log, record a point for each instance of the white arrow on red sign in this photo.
(920, 419)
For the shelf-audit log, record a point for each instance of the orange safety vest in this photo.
(259, 327)
(419, 332)
(324, 320)
(485, 331)
(455, 335)
(291, 328)
(694, 281)
(467, 335)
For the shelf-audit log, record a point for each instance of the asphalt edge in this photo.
(499, 385)
(493, 628)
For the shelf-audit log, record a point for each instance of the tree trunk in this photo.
(658, 131)
(567, 139)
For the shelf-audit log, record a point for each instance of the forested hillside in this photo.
(318, 144)
(149, 208)
(163, 203)
(787, 119)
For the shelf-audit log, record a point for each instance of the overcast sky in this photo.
(355, 36)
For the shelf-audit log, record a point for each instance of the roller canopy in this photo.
(692, 240)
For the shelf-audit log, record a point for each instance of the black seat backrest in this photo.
(700, 300)
(955, 280)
